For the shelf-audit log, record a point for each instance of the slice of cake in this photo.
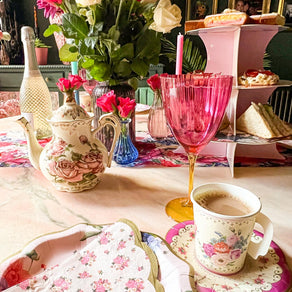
(260, 120)
(254, 77)
(269, 18)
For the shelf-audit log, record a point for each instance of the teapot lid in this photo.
(68, 112)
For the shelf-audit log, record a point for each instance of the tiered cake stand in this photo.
(232, 50)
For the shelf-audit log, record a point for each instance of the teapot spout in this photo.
(34, 148)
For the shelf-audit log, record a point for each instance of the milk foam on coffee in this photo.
(221, 202)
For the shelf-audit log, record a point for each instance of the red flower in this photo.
(73, 82)
(15, 273)
(76, 81)
(63, 84)
(126, 106)
(221, 247)
(154, 81)
(107, 102)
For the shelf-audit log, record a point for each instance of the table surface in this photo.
(30, 206)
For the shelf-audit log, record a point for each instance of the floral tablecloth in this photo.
(13, 153)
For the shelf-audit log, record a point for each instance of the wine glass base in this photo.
(177, 210)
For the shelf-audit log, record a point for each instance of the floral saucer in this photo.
(267, 273)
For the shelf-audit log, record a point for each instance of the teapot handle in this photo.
(112, 120)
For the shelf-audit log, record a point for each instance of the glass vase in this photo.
(157, 126)
(106, 135)
(125, 152)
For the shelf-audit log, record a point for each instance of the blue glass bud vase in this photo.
(125, 152)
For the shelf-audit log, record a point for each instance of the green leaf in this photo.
(33, 255)
(84, 50)
(76, 156)
(140, 67)
(148, 45)
(126, 51)
(123, 69)
(134, 82)
(114, 33)
(75, 27)
(87, 64)
(65, 54)
(192, 57)
(110, 45)
(51, 29)
(90, 234)
(91, 41)
(100, 71)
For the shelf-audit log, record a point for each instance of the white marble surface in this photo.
(30, 206)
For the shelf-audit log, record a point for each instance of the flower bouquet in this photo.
(125, 152)
(67, 86)
(114, 40)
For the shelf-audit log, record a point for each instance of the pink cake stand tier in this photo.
(267, 273)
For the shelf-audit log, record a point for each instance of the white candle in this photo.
(179, 54)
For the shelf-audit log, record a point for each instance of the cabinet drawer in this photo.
(10, 80)
(52, 78)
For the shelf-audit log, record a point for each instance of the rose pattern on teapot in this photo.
(79, 166)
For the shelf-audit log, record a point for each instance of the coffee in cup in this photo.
(224, 217)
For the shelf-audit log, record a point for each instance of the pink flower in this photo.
(72, 83)
(136, 284)
(121, 262)
(102, 285)
(25, 285)
(235, 254)
(209, 249)
(63, 84)
(220, 259)
(259, 280)
(122, 244)
(84, 275)
(65, 169)
(76, 81)
(58, 147)
(107, 102)
(126, 106)
(50, 7)
(61, 282)
(91, 162)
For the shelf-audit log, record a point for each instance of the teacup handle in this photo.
(112, 120)
(261, 248)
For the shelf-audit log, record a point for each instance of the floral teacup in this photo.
(224, 217)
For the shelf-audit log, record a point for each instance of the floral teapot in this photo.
(74, 159)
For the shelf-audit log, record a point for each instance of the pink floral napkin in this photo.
(115, 260)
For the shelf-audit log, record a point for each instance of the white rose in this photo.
(6, 36)
(87, 2)
(166, 17)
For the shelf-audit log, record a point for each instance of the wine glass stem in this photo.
(192, 161)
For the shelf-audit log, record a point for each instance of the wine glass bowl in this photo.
(194, 107)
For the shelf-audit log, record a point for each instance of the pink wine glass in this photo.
(194, 107)
(90, 84)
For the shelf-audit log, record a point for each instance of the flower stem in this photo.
(119, 13)
(131, 8)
